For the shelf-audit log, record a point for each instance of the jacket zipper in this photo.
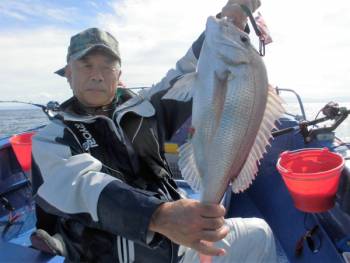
(137, 130)
(117, 130)
(75, 137)
(165, 195)
(154, 137)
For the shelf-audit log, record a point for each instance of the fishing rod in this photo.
(331, 112)
(49, 109)
(23, 102)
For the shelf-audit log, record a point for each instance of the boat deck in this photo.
(267, 198)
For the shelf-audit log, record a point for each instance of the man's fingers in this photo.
(213, 236)
(207, 248)
(251, 4)
(211, 210)
(212, 223)
(185, 222)
(255, 5)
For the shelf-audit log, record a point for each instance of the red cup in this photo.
(22, 146)
(312, 177)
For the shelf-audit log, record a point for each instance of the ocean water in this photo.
(14, 121)
(18, 120)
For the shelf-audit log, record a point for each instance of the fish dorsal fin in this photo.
(183, 88)
(188, 166)
(273, 112)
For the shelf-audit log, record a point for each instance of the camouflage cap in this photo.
(86, 41)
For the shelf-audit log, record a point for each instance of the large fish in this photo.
(234, 111)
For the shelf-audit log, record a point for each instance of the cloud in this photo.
(310, 46)
(12, 14)
(29, 59)
(93, 4)
(154, 34)
(26, 10)
(308, 54)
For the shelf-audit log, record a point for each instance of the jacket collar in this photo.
(137, 105)
(129, 102)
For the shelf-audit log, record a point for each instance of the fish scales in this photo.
(233, 113)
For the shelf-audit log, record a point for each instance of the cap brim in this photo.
(61, 72)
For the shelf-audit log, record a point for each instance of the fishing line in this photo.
(23, 102)
(49, 109)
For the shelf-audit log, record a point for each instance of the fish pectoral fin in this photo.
(188, 166)
(183, 88)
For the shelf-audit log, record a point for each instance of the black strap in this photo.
(256, 29)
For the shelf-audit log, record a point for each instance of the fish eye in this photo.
(244, 39)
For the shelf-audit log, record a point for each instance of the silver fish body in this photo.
(234, 111)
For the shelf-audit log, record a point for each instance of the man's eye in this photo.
(87, 66)
(108, 68)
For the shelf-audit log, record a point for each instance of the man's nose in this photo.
(96, 74)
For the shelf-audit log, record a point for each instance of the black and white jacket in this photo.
(98, 180)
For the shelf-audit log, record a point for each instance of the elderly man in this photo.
(103, 188)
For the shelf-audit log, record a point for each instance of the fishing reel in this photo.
(331, 111)
(51, 108)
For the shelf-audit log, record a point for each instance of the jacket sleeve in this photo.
(70, 184)
(172, 114)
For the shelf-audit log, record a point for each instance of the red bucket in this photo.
(22, 146)
(312, 177)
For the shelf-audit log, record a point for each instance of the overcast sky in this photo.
(310, 52)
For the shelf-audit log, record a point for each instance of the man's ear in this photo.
(68, 72)
(120, 83)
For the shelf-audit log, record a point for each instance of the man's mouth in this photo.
(95, 89)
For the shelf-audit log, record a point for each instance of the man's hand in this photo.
(233, 11)
(192, 224)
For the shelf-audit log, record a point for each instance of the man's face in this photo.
(94, 79)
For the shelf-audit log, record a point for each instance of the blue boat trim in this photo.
(267, 198)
